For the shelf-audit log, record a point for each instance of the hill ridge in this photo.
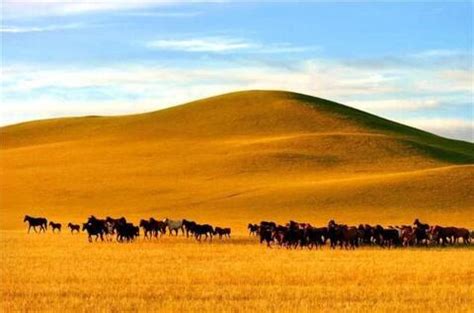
(242, 113)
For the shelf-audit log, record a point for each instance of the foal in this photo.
(55, 226)
(74, 227)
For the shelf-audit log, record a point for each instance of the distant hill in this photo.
(232, 158)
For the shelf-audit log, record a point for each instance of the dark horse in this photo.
(74, 227)
(94, 229)
(222, 232)
(253, 229)
(205, 229)
(421, 232)
(55, 226)
(36, 221)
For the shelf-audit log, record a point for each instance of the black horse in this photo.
(222, 232)
(147, 228)
(189, 227)
(35, 222)
(94, 229)
(421, 232)
(253, 229)
(205, 229)
(74, 227)
(55, 226)
(127, 232)
(157, 226)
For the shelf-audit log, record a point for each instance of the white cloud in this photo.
(164, 14)
(448, 127)
(205, 44)
(220, 44)
(31, 29)
(12, 9)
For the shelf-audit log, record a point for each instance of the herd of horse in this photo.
(294, 234)
(124, 231)
(290, 235)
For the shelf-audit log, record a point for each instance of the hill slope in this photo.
(234, 158)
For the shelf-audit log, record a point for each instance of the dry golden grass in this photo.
(237, 158)
(66, 273)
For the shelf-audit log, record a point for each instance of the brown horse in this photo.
(462, 233)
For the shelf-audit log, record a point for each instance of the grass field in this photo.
(66, 273)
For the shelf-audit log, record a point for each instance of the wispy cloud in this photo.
(35, 29)
(13, 9)
(222, 44)
(170, 14)
(205, 44)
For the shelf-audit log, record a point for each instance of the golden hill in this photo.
(233, 159)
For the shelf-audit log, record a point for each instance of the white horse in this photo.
(174, 225)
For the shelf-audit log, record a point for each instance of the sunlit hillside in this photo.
(233, 159)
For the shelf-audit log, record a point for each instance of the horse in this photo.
(253, 229)
(114, 222)
(174, 225)
(205, 229)
(347, 236)
(366, 233)
(442, 235)
(421, 232)
(127, 232)
(189, 227)
(36, 221)
(147, 228)
(158, 226)
(55, 226)
(266, 234)
(74, 227)
(316, 236)
(386, 236)
(222, 232)
(294, 236)
(462, 233)
(94, 229)
(408, 236)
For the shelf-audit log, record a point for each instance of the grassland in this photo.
(65, 273)
(228, 161)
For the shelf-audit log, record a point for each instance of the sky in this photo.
(411, 62)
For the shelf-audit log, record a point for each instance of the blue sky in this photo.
(411, 62)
